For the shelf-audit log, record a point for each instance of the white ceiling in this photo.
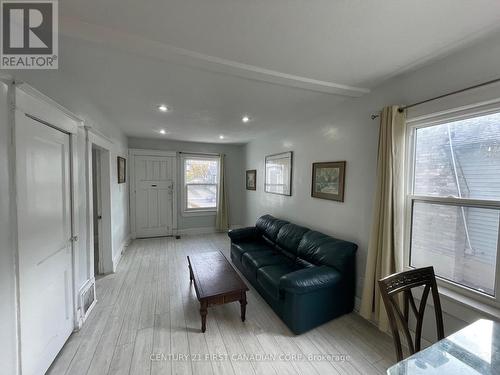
(213, 61)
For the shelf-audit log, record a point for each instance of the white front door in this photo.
(153, 185)
(44, 240)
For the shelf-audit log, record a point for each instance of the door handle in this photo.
(74, 239)
(153, 185)
(99, 217)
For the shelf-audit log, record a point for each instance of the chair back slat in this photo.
(391, 287)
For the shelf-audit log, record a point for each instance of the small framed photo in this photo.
(328, 180)
(122, 169)
(251, 179)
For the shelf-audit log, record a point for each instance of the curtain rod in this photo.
(200, 153)
(401, 109)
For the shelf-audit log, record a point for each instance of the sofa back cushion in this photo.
(269, 226)
(319, 249)
(289, 237)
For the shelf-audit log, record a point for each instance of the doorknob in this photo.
(99, 217)
(74, 238)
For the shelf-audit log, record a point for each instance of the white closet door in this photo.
(44, 231)
(153, 195)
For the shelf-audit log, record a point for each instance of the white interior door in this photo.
(154, 176)
(44, 240)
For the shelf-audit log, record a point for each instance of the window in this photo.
(201, 178)
(454, 200)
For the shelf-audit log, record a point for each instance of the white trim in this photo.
(187, 212)
(453, 291)
(132, 153)
(40, 106)
(28, 100)
(451, 106)
(164, 52)
(118, 257)
(197, 212)
(204, 230)
(94, 138)
(198, 230)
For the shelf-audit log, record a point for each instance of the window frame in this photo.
(204, 211)
(449, 287)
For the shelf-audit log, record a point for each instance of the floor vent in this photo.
(88, 299)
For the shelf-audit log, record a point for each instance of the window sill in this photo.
(468, 302)
(199, 213)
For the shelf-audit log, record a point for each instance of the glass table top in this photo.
(474, 349)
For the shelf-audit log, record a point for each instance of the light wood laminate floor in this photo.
(147, 321)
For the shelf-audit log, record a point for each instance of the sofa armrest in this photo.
(310, 279)
(243, 234)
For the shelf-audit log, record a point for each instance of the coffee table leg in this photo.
(243, 305)
(203, 313)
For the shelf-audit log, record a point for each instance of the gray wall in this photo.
(235, 173)
(346, 132)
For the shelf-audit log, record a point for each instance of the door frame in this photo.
(133, 152)
(94, 138)
(31, 102)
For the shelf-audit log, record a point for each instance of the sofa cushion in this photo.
(257, 259)
(319, 249)
(243, 247)
(289, 236)
(269, 277)
(308, 280)
(269, 226)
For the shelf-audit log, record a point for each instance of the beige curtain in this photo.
(222, 218)
(385, 249)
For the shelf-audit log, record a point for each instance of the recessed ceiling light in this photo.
(245, 119)
(221, 136)
(163, 131)
(162, 108)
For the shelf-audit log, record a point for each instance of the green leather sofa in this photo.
(306, 276)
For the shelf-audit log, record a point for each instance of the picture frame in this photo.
(328, 180)
(122, 169)
(278, 173)
(251, 179)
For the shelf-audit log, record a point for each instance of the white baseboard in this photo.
(203, 230)
(118, 257)
(357, 304)
(199, 230)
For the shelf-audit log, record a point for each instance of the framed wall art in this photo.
(328, 179)
(251, 179)
(278, 174)
(122, 169)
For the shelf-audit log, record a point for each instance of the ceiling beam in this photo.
(77, 29)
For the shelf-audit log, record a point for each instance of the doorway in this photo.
(97, 206)
(153, 193)
(101, 210)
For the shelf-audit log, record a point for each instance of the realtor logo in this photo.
(29, 34)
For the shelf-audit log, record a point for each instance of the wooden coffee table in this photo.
(216, 282)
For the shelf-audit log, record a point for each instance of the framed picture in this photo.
(328, 180)
(122, 169)
(251, 179)
(279, 174)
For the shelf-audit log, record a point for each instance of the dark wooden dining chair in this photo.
(391, 288)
